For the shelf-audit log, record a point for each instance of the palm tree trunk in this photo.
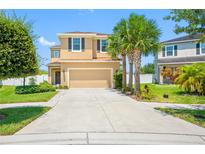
(124, 80)
(137, 73)
(131, 76)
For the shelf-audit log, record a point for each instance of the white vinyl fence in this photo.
(19, 81)
(144, 78)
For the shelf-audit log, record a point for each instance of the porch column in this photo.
(112, 85)
(68, 77)
(49, 75)
(160, 76)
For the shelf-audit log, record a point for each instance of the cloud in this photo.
(45, 42)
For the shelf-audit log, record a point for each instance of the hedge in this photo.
(30, 89)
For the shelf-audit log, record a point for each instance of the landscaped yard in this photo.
(16, 118)
(7, 95)
(194, 116)
(175, 95)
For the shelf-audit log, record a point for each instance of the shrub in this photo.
(118, 79)
(191, 78)
(45, 87)
(62, 87)
(146, 93)
(30, 89)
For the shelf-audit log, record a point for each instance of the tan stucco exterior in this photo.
(87, 68)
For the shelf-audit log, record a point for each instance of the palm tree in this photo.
(143, 39)
(116, 47)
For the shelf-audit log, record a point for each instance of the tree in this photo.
(116, 47)
(195, 20)
(143, 40)
(17, 49)
(192, 78)
(147, 69)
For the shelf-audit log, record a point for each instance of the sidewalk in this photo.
(103, 138)
(175, 106)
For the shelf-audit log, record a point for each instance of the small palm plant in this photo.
(192, 78)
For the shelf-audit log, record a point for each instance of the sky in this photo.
(47, 23)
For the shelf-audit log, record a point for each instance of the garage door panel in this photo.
(90, 78)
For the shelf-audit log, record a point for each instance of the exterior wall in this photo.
(87, 53)
(54, 59)
(99, 55)
(184, 50)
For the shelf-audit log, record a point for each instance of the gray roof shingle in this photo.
(184, 38)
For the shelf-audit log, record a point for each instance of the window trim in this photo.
(201, 48)
(73, 44)
(166, 50)
(101, 46)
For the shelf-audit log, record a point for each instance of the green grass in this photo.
(176, 95)
(194, 116)
(19, 117)
(7, 95)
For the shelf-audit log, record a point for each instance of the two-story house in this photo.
(81, 61)
(177, 52)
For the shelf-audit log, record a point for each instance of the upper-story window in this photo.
(102, 45)
(76, 44)
(169, 50)
(55, 54)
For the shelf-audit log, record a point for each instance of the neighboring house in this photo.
(81, 61)
(177, 52)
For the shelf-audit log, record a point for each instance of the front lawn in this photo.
(175, 95)
(194, 116)
(17, 118)
(8, 95)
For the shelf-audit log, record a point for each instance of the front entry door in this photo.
(57, 77)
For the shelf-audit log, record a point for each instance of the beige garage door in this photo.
(90, 78)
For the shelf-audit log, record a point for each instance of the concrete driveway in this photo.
(104, 116)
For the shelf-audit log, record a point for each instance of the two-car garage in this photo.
(90, 78)
(88, 74)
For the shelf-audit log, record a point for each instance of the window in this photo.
(104, 45)
(169, 50)
(76, 44)
(56, 54)
(202, 48)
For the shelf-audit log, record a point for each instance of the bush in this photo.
(30, 89)
(118, 79)
(191, 78)
(62, 87)
(45, 87)
(146, 93)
